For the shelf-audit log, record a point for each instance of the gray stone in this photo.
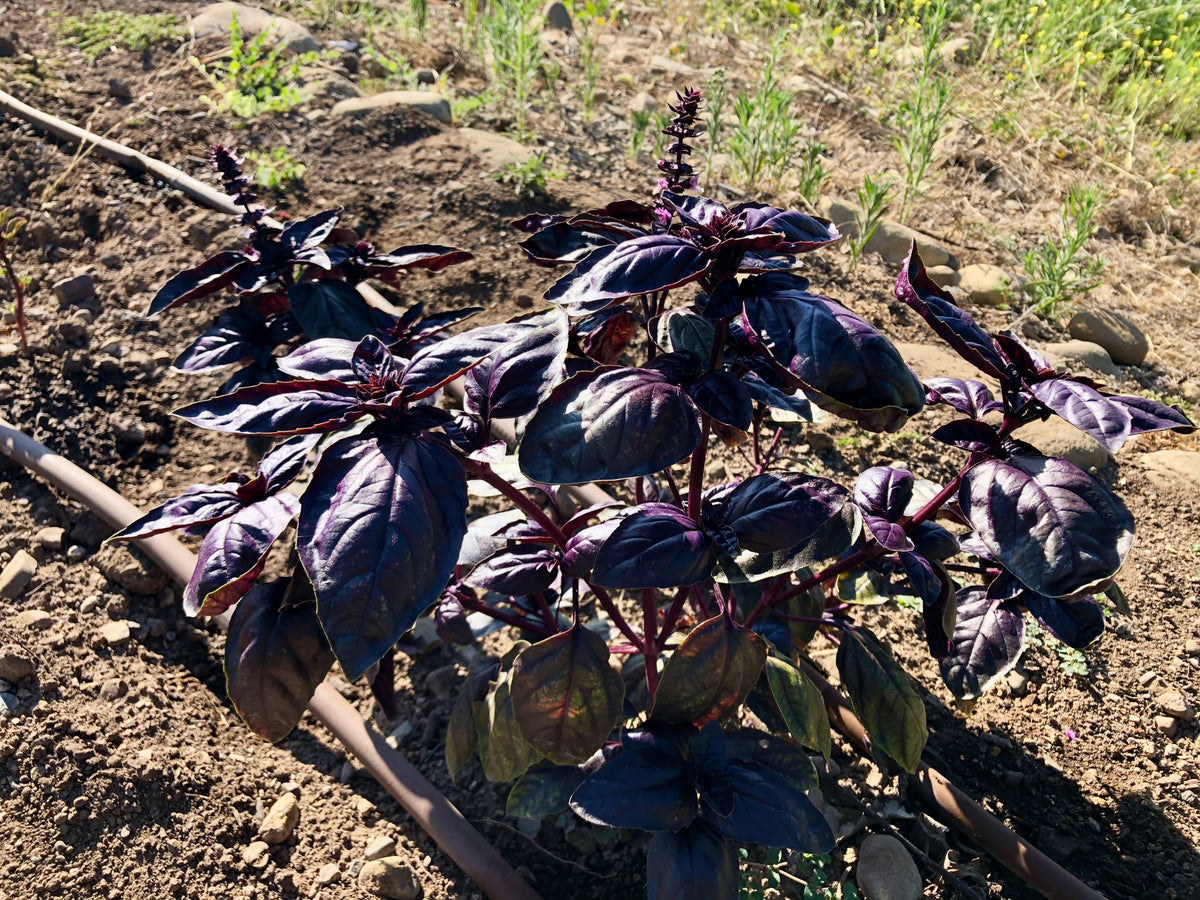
(37, 619)
(987, 284)
(1167, 725)
(7, 48)
(1175, 704)
(15, 663)
(1055, 437)
(120, 88)
(257, 854)
(16, 576)
(556, 16)
(1091, 355)
(113, 633)
(216, 21)
(73, 290)
(434, 104)
(381, 846)
(113, 689)
(1166, 467)
(1123, 340)
(425, 76)
(495, 151)
(280, 820)
(128, 568)
(943, 276)
(50, 537)
(389, 877)
(320, 85)
(891, 240)
(886, 871)
(643, 102)
(9, 705)
(328, 874)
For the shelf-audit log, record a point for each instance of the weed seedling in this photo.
(873, 199)
(10, 227)
(1058, 268)
(276, 169)
(762, 140)
(514, 50)
(95, 33)
(639, 122)
(922, 114)
(528, 179)
(812, 171)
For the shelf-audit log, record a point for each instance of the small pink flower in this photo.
(1070, 734)
(663, 216)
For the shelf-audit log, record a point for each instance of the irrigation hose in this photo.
(428, 807)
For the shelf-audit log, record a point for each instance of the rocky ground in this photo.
(123, 769)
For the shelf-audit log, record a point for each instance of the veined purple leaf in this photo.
(381, 524)
(1048, 522)
(710, 673)
(656, 262)
(1149, 415)
(516, 571)
(1031, 365)
(971, 398)
(443, 361)
(769, 810)
(932, 584)
(987, 642)
(773, 398)
(778, 510)
(275, 656)
(934, 542)
(331, 308)
(723, 397)
(1076, 624)
(694, 210)
(1087, 409)
(569, 242)
(517, 377)
(693, 862)
(545, 790)
(844, 365)
(607, 425)
(305, 234)
(803, 232)
(451, 620)
(969, 435)
(233, 554)
(890, 535)
(284, 463)
(323, 359)
(210, 276)
(830, 540)
(647, 786)
(430, 257)
(933, 304)
(372, 361)
(239, 333)
(605, 335)
(655, 546)
(579, 558)
(681, 329)
(282, 408)
(198, 505)
(884, 491)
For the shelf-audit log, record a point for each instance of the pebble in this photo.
(886, 871)
(1191, 647)
(1167, 725)
(280, 820)
(401, 733)
(9, 353)
(9, 705)
(643, 102)
(1175, 704)
(389, 877)
(1123, 340)
(328, 874)
(50, 538)
(382, 846)
(365, 808)
(356, 107)
(1147, 678)
(72, 290)
(556, 16)
(89, 604)
(37, 619)
(425, 76)
(1018, 683)
(441, 682)
(113, 689)
(77, 553)
(257, 855)
(129, 569)
(113, 633)
(15, 663)
(215, 20)
(17, 575)
(987, 284)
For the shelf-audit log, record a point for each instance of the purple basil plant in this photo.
(657, 680)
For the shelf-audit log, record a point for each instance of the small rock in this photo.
(434, 104)
(1191, 647)
(328, 874)
(1147, 678)
(380, 847)
(120, 88)
(441, 682)
(365, 808)
(556, 16)
(1091, 355)
(113, 689)
(891, 240)
(1055, 437)
(9, 353)
(389, 877)
(426, 76)
(37, 619)
(15, 663)
(1175, 704)
(9, 705)
(943, 276)
(50, 538)
(1166, 725)
(886, 871)
(127, 567)
(1123, 340)
(113, 633)
(495, 151)
(987, 284)
(958, 50)
(73, 290)
(280, 820)
(216, 20)
(257, 855)
(89, 604)
(17, 575)
(399, 735)
(127, 429)
(1018, 683)
(75, 327)
(643, 102)
(156, 628)
(1190, 391)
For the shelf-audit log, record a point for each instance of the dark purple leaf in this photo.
(1030, 364)
(198, 505)
(305, 234)
(691, 863)
(933, 541)
(1076, 624)
(680, 329)
(830, 540)
(517, 377)
(724, 398)
(239, 333)
(969, 435)
(608, 425)
(842, 362)
(987, 642)
(280, 408)
(1087, 409)
(971, 398)
(516, 571)
(710, 673)
(1150, 415)
(769, 810)
(323, 359)
(580, 556)
(1049, 523)
(545, 790)
(233, 554)
(890, 535)
(275, 656)
(773, 397)
(656, 262)
(932, 584)
(884, 491)
(803, 232)
(330, 308)
(567, 699)
(883, 697)
(210, 276)
(380, 528)
(284, 463)
(776, 511)
(569, 242)
(694, 210)
(450, 621)
(430, 257)
(605, 335)
(655, 546)
(443, 361)
(915, 288)
(647, 786)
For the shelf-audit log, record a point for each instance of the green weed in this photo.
(1072, 661)
(95, 33)
(873, 204)
(513, 42)
(589, 16)
(639, 121)
(762, 141)
(276, 168)
(1058, 268)
(922, 115)
(812, 171)
(715, 98)
(528, 179)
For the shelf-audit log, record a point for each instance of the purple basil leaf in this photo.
(443, 361)
(769, 810)
(275, 656)
(803, 232)
(283, 407)
(647, 786)
(776, 511)
(845, 365)
(830, 540)
(1076, 624)
(773, 397)
(372, 361)
(239, 333)
(430, 257)
(1030, 364)
(915, 288)
(932, 584)
(210, 276)
(545, 790)
(517, 377)
(381, 524)
(608, 425)
(198, 505)
(1048, 522)
(535, 222)
(330, 308)
(253, 373)
(450, 621)
(323, 359)
(579, 558)
(884, 491)
(656, 262)
(305, 234)
(569, 242)
(606, 341)
(694, 210)
(1087, 409)
(691, 863)
(971, 398)
(516, 572)
(284, 463)
(890, 535)
(1150, 415)
(969, 435)
(655, 546)
(710, 673)
(987, 642)
(233, 554)
(723, 397)
(934, 542)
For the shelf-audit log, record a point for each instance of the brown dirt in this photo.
(126, 773)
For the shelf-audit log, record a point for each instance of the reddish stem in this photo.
(525, 504)
(650, 641)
